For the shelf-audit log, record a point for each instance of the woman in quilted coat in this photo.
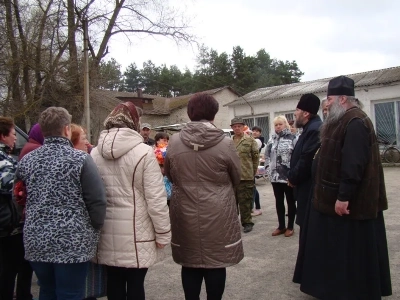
(204, 167)
(137, 225)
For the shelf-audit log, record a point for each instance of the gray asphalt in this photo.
(267, 268)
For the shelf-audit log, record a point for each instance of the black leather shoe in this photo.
(247, 228)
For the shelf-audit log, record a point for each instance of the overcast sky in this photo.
(326, 38)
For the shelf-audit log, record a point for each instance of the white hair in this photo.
(355, 101)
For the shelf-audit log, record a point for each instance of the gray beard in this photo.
(336, 112)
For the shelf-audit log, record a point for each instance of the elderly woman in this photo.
(277, 158)
(65, 208)
(203, 166)
(137, 224)
(78, 138)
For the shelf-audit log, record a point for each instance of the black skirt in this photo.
(342, 259)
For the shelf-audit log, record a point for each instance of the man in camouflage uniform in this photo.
(247, 149)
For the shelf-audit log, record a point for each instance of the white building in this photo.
(378, 90)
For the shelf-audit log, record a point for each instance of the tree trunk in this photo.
(15, 63)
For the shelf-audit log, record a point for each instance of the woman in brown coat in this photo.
(203, 166)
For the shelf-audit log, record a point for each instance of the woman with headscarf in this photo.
(203, 165)
(137, 224)
(36, 140)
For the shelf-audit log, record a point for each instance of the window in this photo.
(262, 122)
(387, 121)
(289, 116)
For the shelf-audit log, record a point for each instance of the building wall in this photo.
(177, 116)
(272, 108)
(224, 115)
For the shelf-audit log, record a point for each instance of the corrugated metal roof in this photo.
(161, 105)
(182, 101)
(108, 100)
(370, 78)
(116, 94)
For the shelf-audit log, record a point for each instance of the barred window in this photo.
(260, 121)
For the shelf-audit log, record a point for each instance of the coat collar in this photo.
(57, 140)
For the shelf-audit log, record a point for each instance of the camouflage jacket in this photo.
(247, 149)
(8, 166)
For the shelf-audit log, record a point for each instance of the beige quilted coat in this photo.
(137, 212)
(204, 167)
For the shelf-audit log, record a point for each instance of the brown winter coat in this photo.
(203, 166)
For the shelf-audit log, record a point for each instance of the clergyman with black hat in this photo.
(306, 117)
(247, 148)
(346, 253)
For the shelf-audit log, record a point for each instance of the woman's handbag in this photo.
(96, 281)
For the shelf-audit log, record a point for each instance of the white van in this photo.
(228, 132)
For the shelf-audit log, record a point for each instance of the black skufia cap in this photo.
(341, 85)
(309, 103)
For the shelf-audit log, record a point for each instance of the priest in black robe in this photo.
(343, 250)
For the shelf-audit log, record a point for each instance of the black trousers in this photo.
(12, 263)
(280, 190)
(125, 283)
(192, 278)
(256, 198)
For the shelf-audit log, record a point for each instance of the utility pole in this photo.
(86, 77)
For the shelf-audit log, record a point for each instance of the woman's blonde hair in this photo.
(283, 119)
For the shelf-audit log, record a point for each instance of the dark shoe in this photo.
(289, 232)
(247, 228)
(278, 231)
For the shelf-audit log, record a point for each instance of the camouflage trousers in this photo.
(244, 197)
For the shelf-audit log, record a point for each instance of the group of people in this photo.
(66, 203)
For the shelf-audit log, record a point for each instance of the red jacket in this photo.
(19, 186)
(29, 146)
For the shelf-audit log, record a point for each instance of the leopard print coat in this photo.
(57, 227)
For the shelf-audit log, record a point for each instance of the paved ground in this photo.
(267, 269)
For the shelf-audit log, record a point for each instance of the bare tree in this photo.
(42, 56)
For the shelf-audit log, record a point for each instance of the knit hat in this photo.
(123, 115)
(309, 103)
(36, 134)
(341, 85)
